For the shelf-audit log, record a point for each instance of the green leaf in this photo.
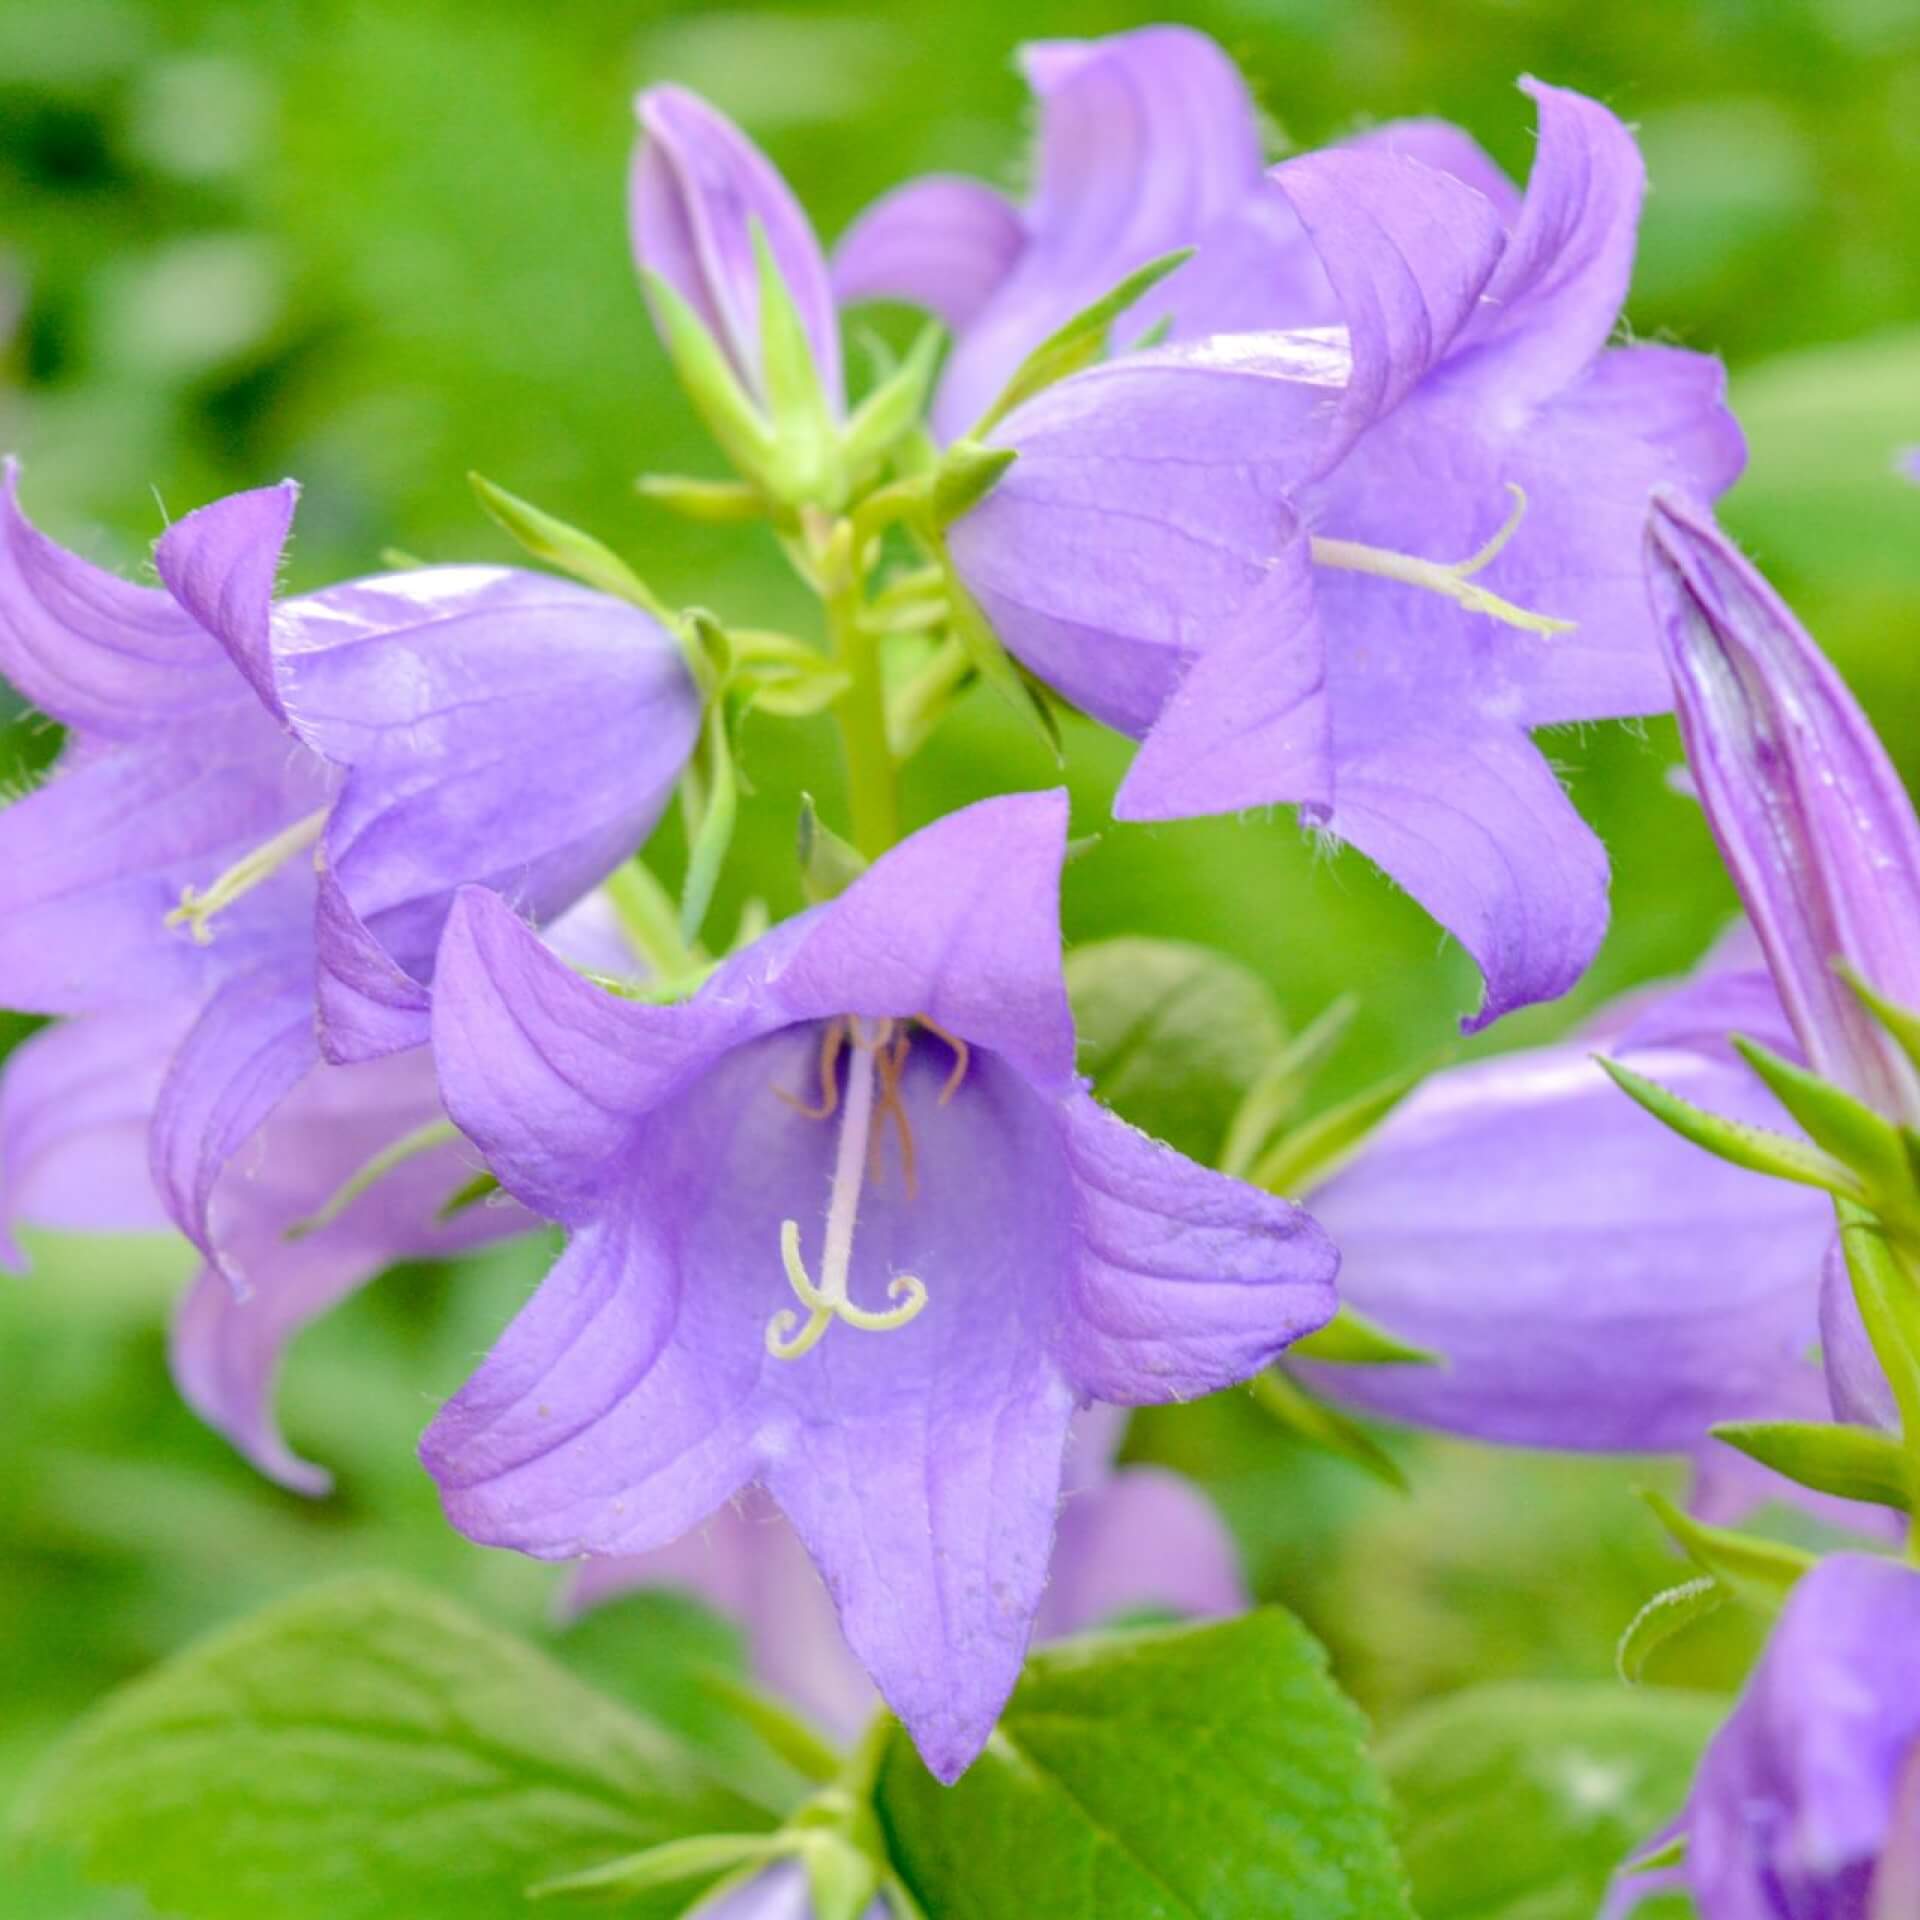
(1668, 1614)
(1755, 1148)
(1758, 1573)
(362, 1750)
(1161, 1775)
(1317, 1150)
(1350, 1339)
(1854, 1462)
(701, 1857)
(1080, 342)
(1322, 1425)
(1520, 1802)
(1173, 1035)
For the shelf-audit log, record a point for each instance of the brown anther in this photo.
(891, 1061)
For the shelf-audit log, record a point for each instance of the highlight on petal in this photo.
(943, 243)
(961, 922)
(698, 189)
(1479, 831)
(1186, 1281)
(103, 656)
(1806, 807)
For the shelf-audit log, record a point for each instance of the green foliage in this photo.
(363, 1749)
(1519, 1802)
(1204, 1770)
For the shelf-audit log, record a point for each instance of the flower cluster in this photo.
(1325, 482)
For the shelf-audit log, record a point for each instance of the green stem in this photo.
(861, 712)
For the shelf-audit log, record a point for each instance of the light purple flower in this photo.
(1244, 549)
(1000, 1249)
(1804, 1802)
(1809, 813)
(698, 189)
(1130, 1540)
(401, 731)
(1589, 1280)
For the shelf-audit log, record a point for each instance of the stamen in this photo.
(890, 1062)
(788, 1337)
(1454, 580)
(246, 873)
(962, 1057)
(831, 1043)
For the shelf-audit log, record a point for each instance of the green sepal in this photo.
(1276, 1093)
(1888, 1296)
(1758, 1573)
(1318, 1149)
(794, 693)
(1856, 1463)
(1755, 1148)
(1901, 1024)
(967, 473)
(649, 919)
(998, 668)
(1670, 1854)
(894, 407)
(469, 1194)
(1081, 341)
(717, 503)
(423, 1139)
(804, 468)
(1350, 1339)
(1311, 1419)
(1667, 1615)
(399, 560)
(829, 865)
(710, 801)
(785, 1733)
(1834, 1119)
(842, 1876)
(701, 1857)
(709, 379)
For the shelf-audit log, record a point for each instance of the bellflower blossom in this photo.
(1807, 1802)
(1269, 555)
(869, 1117)
(395, 733)
(1810, 816)
(1589, 1280)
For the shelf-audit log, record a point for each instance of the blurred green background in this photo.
(377, 245)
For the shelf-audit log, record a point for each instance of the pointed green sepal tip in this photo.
(1854, 1463)
(699, 1857)
(967, 473)
(998, 668)
(1838, 1122)
(897, 405)
(1754, 1148)
(1329, 1140)
(709, 379)
(1758, 1573)
(469, 1194)
(803, 466)
(1350, 1339)
(710, 806)
(1321, 1425)
(828, 864)
(713, 502)
(1900, 1024)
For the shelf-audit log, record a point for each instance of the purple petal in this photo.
(1441, 145)
(1407, 250)
(1478, 830)
(1589, 1280)
(1809, 813)
(1248, 725)
(1558, 290)
(369, 1005)
(1186, 1281)
(1896, 1884)
(1146, 1541)
(697, 190)
(1147, 139)
(1796, 1796)
(226, 1352)
(960, 923)
(97, 653)
(251, 1046)
(1858, 1387)
(74, 1101)
(1703, 1013)
(220, 564)
(92, 863)
(942, 243)
(1150, 502)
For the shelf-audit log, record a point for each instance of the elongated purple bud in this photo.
(1811, 818)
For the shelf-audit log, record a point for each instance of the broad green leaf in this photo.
(363, 1750)
(1173, 1035)
(1161, 1775)
(1519, 1802)
(1856, 1463)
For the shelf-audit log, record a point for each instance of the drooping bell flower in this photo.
(1351, 569)
(847, 1226)
(1130, 1540)
(1810, 816)
(1149, 141)
(264, 808)
(1589, 1280)
(1807, 1802)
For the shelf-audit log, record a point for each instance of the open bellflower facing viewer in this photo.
(845, 1225)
